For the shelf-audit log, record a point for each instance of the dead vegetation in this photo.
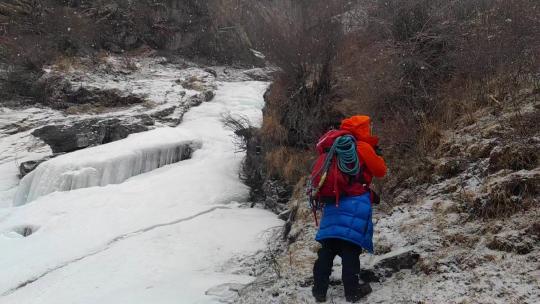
(303, 44)
(37, 33)
(506, 195)
(418, 67)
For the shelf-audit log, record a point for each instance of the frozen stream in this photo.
(166, 236)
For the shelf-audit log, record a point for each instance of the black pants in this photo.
(350, 261)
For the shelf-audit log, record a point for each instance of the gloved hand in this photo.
(378, 150)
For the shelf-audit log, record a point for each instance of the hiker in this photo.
(348, 161)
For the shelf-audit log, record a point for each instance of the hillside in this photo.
(453, 90)
(158, 151)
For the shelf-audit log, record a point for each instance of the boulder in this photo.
(53, 90)
(29, 166)
(386, 265)
(86, 133)
(208, 95)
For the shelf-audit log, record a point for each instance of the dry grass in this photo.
(272, 130)
(506, 196)
(68, 63)
(515, 157)
(420, 67)
(288, 163)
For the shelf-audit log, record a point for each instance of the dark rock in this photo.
(290, 217)
(86, 133)
(54, 90)
(25, 231)
(398, 261)
(258, 74)
(106, 98)
(29, 166)
(211, 71)
(190, 28)
(196, 100)
(208, 95)
(389, 264)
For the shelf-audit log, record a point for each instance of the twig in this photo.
(494, 99)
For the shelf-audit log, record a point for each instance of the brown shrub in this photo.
(514, 157)
(507, 195)
(272, 131)
(288, 164)
(420, 66)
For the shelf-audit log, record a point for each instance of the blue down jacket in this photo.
(351, 221)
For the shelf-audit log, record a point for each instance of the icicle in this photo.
(107, 164)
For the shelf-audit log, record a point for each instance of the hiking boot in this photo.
(363, 290)
(319, 298)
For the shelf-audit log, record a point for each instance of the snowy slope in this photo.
(159, 237)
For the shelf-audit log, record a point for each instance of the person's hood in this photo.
(360, 127)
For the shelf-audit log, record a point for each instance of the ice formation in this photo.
(107, 164)
(168, 236)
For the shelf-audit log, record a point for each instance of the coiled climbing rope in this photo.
(347, 158)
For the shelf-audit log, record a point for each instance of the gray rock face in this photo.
(193, 30)
(86, 133)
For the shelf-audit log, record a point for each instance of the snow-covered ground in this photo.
(167, 236)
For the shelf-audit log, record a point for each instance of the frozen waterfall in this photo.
(108, 164)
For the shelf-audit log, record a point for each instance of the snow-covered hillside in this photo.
(177, 234)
